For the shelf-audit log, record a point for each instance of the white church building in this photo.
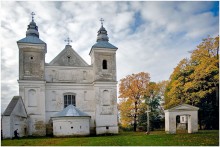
(66, 96)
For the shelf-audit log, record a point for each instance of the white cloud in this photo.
(168, 30)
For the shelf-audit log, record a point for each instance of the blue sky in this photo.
(151, 36)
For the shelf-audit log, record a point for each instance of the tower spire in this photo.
(102, 33)
(32, 29)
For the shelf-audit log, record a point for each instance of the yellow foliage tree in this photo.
(196, 80)
(132, 89)
(126, 112)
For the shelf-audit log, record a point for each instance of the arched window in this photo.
(69, 99)
(106, 98)
(32, 98)
(104, 64)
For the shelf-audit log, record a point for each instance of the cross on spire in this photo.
(32, 13)
(101, 19)
(68, 41)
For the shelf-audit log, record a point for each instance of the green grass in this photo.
(156, 138)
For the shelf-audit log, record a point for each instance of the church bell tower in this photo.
(31, 81)
(103, 56)
(31, 54)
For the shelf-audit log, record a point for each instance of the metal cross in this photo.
(68, 41)
(32, 13)
(101, 19)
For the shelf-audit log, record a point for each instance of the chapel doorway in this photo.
(181, 124)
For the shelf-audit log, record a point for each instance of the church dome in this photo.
(32, 29)
(70, 111)
(102, 39)
(32, 34)
(102, 34)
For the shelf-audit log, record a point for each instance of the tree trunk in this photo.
(135, 116)
(200, 120)
(217, 95)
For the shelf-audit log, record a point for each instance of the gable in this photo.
(16, 107)
(19, 109)
(68, 57)
(184, 107)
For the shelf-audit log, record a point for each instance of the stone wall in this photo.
(70, 126)
(68, 74)
(106, 108)
(33, 95)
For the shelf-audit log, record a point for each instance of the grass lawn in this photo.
(156, 138)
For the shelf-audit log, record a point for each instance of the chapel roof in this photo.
(183, 107)
(70, 111)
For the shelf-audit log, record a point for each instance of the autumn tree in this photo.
(174, 93)
(153, 98)
(126, 112)
(132, 89)
(195, 81)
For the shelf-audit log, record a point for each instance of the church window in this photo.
(69, 99)
(104, 64)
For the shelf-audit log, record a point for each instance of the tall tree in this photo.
(153, 98)
(196, 81)
(174, 93)
(132, 88)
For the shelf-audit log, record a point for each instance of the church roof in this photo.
(31, 39)
(104, 44)
(11, 107)
(70, 111)
(68, 57)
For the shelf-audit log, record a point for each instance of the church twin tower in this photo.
(49, 88)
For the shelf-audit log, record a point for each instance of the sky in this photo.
(151, 36)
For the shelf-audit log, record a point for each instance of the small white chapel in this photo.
(67, 96)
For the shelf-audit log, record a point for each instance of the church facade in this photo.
(48, 88)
